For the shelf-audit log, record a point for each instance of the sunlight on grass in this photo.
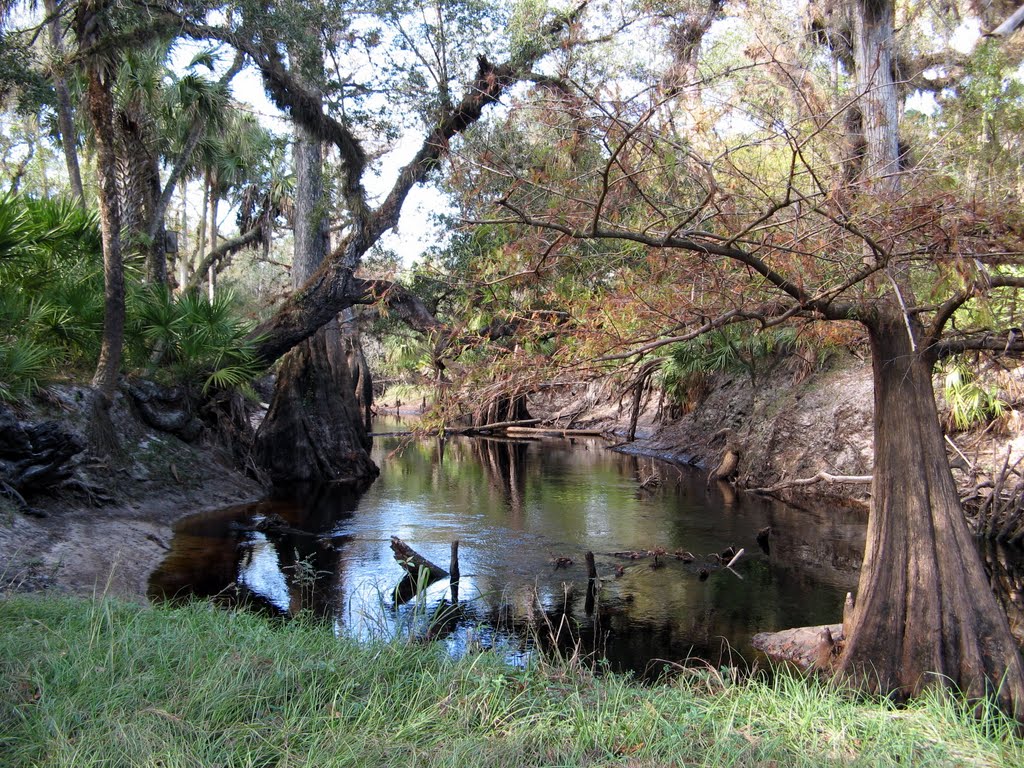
(89, 683)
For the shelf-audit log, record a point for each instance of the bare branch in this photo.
(221, 251)
(946, 311)
(821, 477)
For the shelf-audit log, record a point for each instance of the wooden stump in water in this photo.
(455, 574)
(420, 573)
(313, 432)
(591, 566)
(413, 562)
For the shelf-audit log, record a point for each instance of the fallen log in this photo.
(821, 477)
(555, 431)
(498, 425)
(801, 646)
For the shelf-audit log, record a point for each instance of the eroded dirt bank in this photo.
(111, 527)
(785, 426)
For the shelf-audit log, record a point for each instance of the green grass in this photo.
(101, 683)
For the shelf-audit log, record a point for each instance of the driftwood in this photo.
(554, 431)
(818, 478)
(414, 563)
(999, 514)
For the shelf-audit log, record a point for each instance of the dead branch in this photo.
(821, 477)
(412, 561)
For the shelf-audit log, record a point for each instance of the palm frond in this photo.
(24, 364)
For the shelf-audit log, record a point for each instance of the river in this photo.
(521, 509)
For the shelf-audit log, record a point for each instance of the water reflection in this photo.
(517, 507)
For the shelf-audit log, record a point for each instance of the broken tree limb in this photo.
(955, 447)
(502, 425)
(821, 477)
(735, 557)
(554, 431)
(413, 562)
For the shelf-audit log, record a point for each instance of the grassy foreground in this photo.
(89, 683)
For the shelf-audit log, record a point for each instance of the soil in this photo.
(75, 543)
(787, 424)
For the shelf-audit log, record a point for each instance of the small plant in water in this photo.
(305, 574)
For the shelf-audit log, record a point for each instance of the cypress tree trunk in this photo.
(314, 432)
(925, 614)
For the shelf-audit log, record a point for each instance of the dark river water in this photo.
(517, 507)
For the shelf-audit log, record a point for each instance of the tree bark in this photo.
(65, 114)
(358, 370)
(925, 614)
(140, 191)
(101, 111)
(314, 431)
(873, 22)
(310, 221)
(310, 436)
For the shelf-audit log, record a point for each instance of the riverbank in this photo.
(786, 424)
(784, 428)
(108, 529)
(100, 682)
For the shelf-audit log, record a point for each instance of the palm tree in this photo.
(92, 25)
(162, 118)
(236, 162)
(65, 113)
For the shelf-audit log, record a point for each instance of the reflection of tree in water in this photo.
(572, 493)
(1005, 569)
(571, 623)
(504, 464)
(275, 555)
